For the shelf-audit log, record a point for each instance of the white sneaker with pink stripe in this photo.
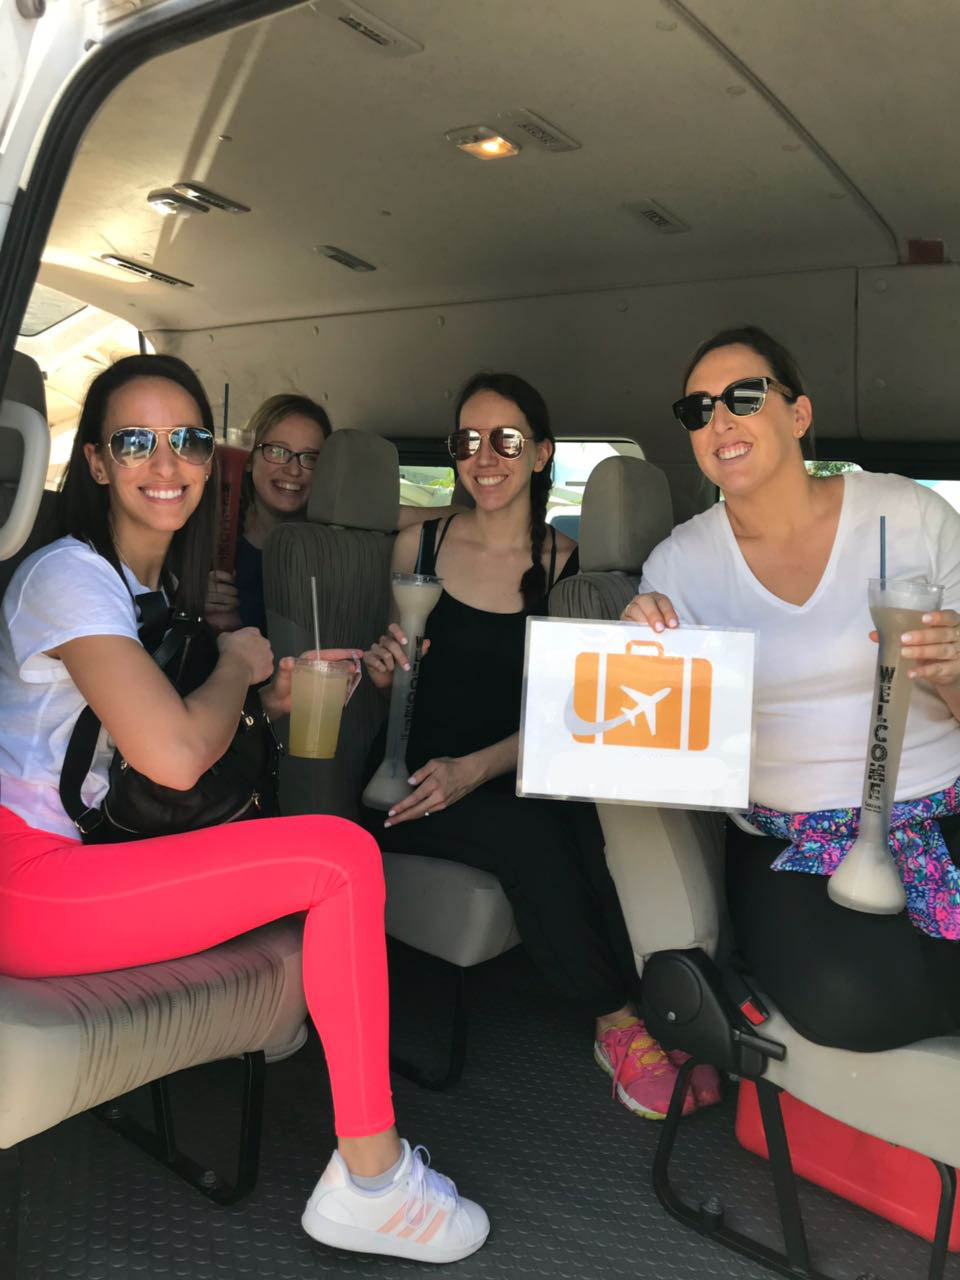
(419, 1215)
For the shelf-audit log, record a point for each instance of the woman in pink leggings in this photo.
(137, 500)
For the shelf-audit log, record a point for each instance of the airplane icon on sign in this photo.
(644, 704)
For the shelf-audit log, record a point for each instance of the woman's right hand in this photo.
(249, 647)
(383, 658)
(653, 609)
(222, 605)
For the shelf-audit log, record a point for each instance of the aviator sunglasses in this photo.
(132, 446)
(508, 442)
(743, 398)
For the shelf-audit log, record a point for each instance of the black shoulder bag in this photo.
(242, 784)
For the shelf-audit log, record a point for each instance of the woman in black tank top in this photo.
(498, 564)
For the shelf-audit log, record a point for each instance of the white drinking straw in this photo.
(316, 614)
(883, 550)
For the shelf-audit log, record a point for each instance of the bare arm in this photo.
(172, 740)
(442, 782)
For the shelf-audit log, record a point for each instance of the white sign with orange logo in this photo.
(614, 711)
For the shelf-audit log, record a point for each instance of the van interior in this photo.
(288, 206)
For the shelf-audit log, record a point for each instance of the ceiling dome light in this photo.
(481, 142)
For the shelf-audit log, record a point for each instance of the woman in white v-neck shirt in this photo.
(789, 555)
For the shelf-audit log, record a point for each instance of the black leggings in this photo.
(549, 857)
(840, 977)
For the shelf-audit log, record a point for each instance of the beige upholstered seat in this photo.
(443, 908)
(670, 891)
(68, 1044)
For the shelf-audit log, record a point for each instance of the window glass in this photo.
(426, 486)
(572, 464)
(46, 308)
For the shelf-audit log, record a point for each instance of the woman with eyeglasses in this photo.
(789, 555)
(498, 564)
(288, 435)
(138, 511)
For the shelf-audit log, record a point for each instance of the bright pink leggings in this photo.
(69, 908)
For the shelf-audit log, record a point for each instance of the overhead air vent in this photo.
(656, 216)
(538, 130)
(145, 272)
(379, 33)
(194, 191)
(345, 259)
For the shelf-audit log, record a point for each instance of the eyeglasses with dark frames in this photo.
(743, 398)
(508, 442)
(133, 446)
(278, 455)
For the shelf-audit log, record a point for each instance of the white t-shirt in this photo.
(61, 592)
(815, 662)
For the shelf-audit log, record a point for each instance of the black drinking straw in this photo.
(883, 552)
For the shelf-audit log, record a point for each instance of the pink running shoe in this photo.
(643, 1075)
(704, 1079)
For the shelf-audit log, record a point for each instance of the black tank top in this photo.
(470, 683)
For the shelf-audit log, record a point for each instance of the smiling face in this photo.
(161, 494)
(742, 454)
(282, 490)
(494, 482)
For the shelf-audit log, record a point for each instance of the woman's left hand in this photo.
(275, 696)
(439, 784)
(934, 651)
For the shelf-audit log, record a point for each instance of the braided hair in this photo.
(533, 584)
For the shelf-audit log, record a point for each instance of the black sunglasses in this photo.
(743, 398)
(508, 442)
(132, 446)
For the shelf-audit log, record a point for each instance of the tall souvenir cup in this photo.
(868, 878)
(415, 595)
(232, 464)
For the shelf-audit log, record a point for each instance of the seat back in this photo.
(346, 543)
(26, 509)
(667, 864)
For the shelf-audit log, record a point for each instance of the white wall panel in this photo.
(609, 364)
(909, 353)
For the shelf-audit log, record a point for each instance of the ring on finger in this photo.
(426, 813)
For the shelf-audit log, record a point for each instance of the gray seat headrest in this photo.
(626, 512)
(357, 482)
(25, 386)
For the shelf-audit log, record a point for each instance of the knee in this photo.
(341, 842)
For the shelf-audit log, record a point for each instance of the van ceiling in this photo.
(788, 135)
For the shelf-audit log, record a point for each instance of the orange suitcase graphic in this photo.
(642, 698)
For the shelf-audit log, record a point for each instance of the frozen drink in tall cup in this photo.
(868, 878)
(415, 595)
(319, 692)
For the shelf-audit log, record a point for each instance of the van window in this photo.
(426, 486)
(573, 462)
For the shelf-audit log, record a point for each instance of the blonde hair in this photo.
(273, 411)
